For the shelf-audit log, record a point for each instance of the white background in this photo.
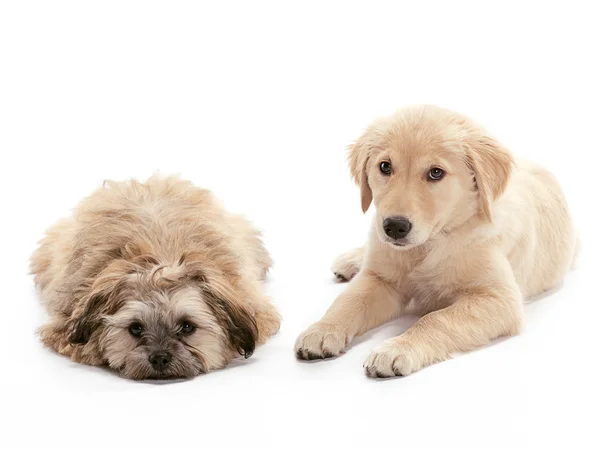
(257, 102)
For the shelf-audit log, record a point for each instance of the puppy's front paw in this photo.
(392, 358)
(321, 341)
(346, 266)
(54, 335)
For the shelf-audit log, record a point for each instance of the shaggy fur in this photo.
(491, 232)
(163, 256)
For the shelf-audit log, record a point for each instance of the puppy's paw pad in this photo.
(320, 341)
(304, 354)
(391, 359)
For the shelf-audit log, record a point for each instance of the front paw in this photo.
(346, 266)
(321, 341)
(54, 335)
(392, 358)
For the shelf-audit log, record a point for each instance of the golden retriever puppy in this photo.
(155, 280)
(463, 232)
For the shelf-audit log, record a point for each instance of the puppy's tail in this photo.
(346, 266)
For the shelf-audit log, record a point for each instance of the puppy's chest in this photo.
(430, 286)
(428, 280)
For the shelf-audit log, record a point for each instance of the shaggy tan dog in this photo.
(462, 233)
(155, 280)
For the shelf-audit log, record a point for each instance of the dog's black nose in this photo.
(396, 227)
(160, 360)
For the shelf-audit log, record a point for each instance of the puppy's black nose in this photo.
(160, 360)
(396, 227)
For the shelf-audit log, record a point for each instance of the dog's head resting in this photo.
(158, 321)
(428, 170)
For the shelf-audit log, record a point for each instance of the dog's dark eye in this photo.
(136, 329)
(187, 328)
(385, 167)
(436, 173)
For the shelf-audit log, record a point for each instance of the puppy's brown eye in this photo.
(136, 329)
(436, 173)
(187, 328)
(385, 167)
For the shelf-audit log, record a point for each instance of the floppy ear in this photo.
(492, 165)
(358, 156)
(225, 303)
(240, 325)
(83, 324)
(102, 300)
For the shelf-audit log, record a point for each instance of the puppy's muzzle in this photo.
(160, 360)
(397, 228)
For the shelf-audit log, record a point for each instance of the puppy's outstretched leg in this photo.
(347, 265)
(480, 314)
(367, 303)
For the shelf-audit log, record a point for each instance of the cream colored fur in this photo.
(493, 231)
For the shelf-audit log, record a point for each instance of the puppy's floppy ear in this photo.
(82, 324)
(240, 325)
(86, 318)
(492, 165)
(358, 157)
(225, 303)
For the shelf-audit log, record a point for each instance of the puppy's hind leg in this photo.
(347, 265)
